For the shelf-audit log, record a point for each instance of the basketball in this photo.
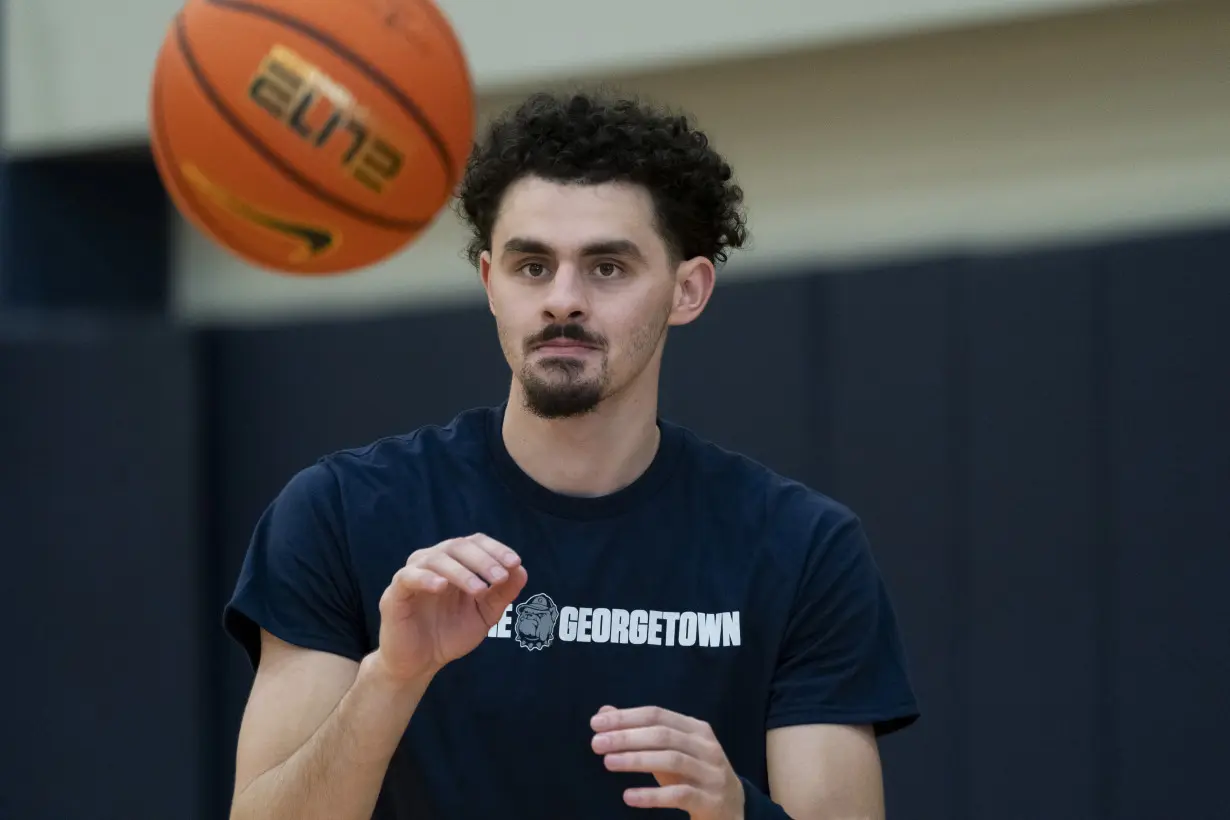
(311, 137)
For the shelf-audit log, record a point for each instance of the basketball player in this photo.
(566, 607)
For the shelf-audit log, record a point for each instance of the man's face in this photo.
(582, 288)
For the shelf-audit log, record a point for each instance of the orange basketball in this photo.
(311, 136)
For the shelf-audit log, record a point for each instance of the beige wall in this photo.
(76, 73)
(1110, 122)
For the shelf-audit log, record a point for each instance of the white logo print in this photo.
(536, 619)
(534, 624)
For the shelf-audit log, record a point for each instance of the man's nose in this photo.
(566, 297)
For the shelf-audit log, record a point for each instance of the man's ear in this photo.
(484, 273)
(694, 282)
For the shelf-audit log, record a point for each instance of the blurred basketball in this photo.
(311, 136)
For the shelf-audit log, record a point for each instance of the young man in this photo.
(566, 607)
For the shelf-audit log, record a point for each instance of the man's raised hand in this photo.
(440, 605)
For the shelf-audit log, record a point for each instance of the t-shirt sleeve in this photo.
(296, 580)
(842, 659)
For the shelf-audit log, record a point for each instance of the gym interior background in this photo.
(985, 306)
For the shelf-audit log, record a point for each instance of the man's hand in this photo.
(681, 753)
(439, 606)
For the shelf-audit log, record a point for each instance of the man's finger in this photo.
(458, 575)
(658, 762)
(646, 716)
(654, 737)
(502, 594)
(482, 563)
(409, 581)
(500, 552)
(676, 796)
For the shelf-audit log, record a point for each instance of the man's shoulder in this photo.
(400, 458)
(464, 435)
(779, 502)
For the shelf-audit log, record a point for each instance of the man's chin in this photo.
(553, 399)
(559, 369)
(559, 412)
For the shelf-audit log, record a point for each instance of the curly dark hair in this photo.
(592, 139)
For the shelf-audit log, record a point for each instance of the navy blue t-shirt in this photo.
(710, 586)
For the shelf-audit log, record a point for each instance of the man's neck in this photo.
(591, 455)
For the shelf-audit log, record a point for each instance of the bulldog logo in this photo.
(536, 619)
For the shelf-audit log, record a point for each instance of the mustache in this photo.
(572, 332)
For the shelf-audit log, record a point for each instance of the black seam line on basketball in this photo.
(374, 74)
(273, 159)
(444, 28)
(160, 142)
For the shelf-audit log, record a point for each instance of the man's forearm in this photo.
(338, 772)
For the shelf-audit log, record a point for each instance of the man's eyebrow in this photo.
(602, 247)
(613, 247)
(520, 244)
